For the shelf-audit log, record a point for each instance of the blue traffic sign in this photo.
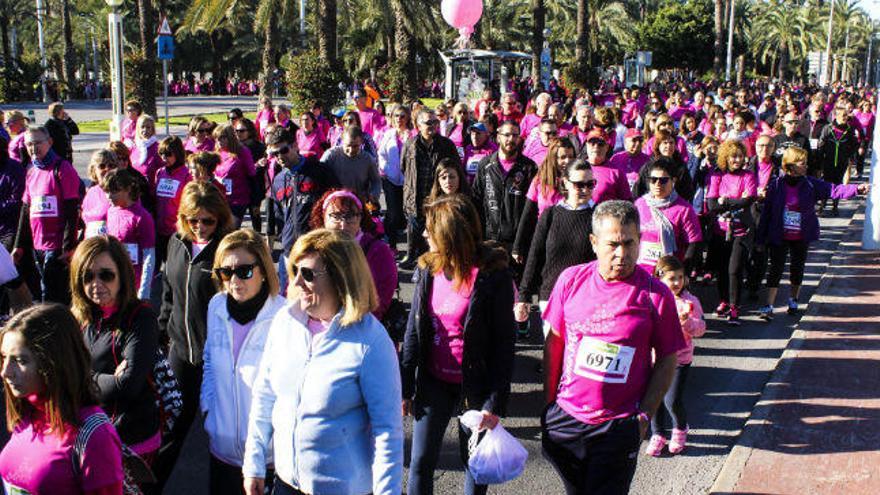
(165, 45)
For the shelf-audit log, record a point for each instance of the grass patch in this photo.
(104, 125)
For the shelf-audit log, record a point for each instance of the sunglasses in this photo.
(348, 120)
(240, 131)
(660, 180)
(430, 122)
(597, 142)
(587, 184)
(203, 131)
(165, 154)
(308, 274)
(791, 122)
(207, 222)
(104, 275)
(280, 151)
(106, 166)
(344, 217)
(243, 272)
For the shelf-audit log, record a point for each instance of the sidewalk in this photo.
(816, 428)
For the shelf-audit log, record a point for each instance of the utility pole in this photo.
(42, 41)
(730, 42)
(826, 73)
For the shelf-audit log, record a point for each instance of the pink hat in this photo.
(631, 133)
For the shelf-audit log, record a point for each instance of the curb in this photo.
(732, 469)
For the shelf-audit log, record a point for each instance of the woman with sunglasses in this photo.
(95, 203)
(199, 133)
(457, 130)
(265, 117)
(239, 316)
(121, 335)
(328, 388)
(171, 178)
(459, 341)
(668, 222)
(342, 210)
(236, 171)
(203, 219)
(558, 242)
(50, 399)
(390, 149)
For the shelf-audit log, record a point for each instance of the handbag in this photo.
(135, 469)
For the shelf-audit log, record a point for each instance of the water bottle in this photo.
(31, 117)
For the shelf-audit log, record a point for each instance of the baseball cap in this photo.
(631, 133)
(597, 134)
(479, 127)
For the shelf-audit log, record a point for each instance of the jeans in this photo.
(282, 273)
(394, 218)
(54, 275)
(591, 458)
(673, 403)
(435, 404)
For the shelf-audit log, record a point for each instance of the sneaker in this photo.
(655, 445)
(766, 312)
(723, 309)
(733, 317)
(677, 441)
(792, 306)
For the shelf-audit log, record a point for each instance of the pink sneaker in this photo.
(678, 440)
(655, 445)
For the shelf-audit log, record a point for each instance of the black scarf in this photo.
(246, 312)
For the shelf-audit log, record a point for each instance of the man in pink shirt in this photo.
(371, 121)
(606, 318)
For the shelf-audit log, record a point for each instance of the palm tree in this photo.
(68, 60)
(326, 30)
(266, 22)
(781, 32)
(582, 42)
(405, 47)
(538, 23)
(610, 22)
(719, 36)
(146, 91)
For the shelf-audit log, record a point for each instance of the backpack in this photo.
(134, 468)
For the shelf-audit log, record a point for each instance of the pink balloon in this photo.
(461, 13)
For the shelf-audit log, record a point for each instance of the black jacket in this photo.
(489, 336)
(188, 288)
(294, 193)
(501, 198)
(62, 132)
(132, 336)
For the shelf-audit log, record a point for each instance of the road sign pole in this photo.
(165, 83)
(871, 228)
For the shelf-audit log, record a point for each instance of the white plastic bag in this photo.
(498, 457)
(7, 266)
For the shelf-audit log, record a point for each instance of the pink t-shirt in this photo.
(732, 185)
(448, 310)
(765, 172)
(265, 117)
(544, 201)
(134, 228)
(169, 190)
(146, 163)
(239, 333)
(693, 327)
(528, 123)
(473, 156)
(46, 195)
(94, 211)
(684, 222)
(16, 147)
(506, 164)
(629, 165)
(318, 329)
(791, 215)
(610, 184)
(535, 151)
(371, 121)
(128, 131)
(456, 135)
(309, 145)
(680, 146)
(609, 330)
(191, 146)
(233, 172)
(37, 461)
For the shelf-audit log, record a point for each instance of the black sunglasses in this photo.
(239, 131)
(243, 272)
(203, 131)
(105, 275)
(587, 184)
(661, 180)
(597, 142)
(280, 151)
(207, 222)
(308, 274)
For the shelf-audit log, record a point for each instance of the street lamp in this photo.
(117, 72)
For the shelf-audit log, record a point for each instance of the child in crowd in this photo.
(133, 225)
(449, 178)
(202, 166)
(670, 271)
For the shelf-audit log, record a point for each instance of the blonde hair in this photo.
(143, 119)
(727, 150)
(203, 196)
(254, 244)
(227, 132)
(98, 157)
(791, 156)
(346, 268)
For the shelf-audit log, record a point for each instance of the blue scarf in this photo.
(47, 162)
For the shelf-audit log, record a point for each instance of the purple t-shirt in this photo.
(45, 194)
(37, 461)
(239, 334)
(791, 215)
(233, 172)
(629, 165)
(169, 190)
(765, 173)
(94, 211)
(449, 307)
(609, 330)
(732, 185)
(684, 222)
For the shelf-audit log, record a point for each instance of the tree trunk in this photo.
(783, 63)
(327, 30)
(68, 62)
(270, 41)
(719, 36)
(405, 48)
(538, 14)
(146, 92)
(8, 63)
(740, 70)
(582, 42)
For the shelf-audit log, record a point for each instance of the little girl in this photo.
(133, 225)
(670, 270)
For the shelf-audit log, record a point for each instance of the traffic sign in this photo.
(165, 28)
(165, 45)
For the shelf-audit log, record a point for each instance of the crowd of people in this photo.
(159, 273)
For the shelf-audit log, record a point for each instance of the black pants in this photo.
(416, 244)
(591, 458)
(798, 250)
(730, 257)
(161, 250)
(673, 403)
(190, 378)
(757, 269)
(226, 479)
(395, 221)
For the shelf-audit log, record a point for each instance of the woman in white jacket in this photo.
(328, 390)
(239, 316)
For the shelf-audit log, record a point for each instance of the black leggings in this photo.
(729, 260)
(673, 403)
(778, 253)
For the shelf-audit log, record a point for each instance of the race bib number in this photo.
(650, 252)
(132, 249)
(167, 188)
(814, 143)
(98, 227)
(791, 221)
(44, 206)
(227, 183)
(602, 361)
(472, 166)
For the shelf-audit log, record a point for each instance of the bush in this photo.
(310, 79)
(395, 80)
(579, 75)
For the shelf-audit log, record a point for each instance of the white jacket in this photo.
(227, 384)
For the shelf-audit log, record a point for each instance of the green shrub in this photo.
(311, 79)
